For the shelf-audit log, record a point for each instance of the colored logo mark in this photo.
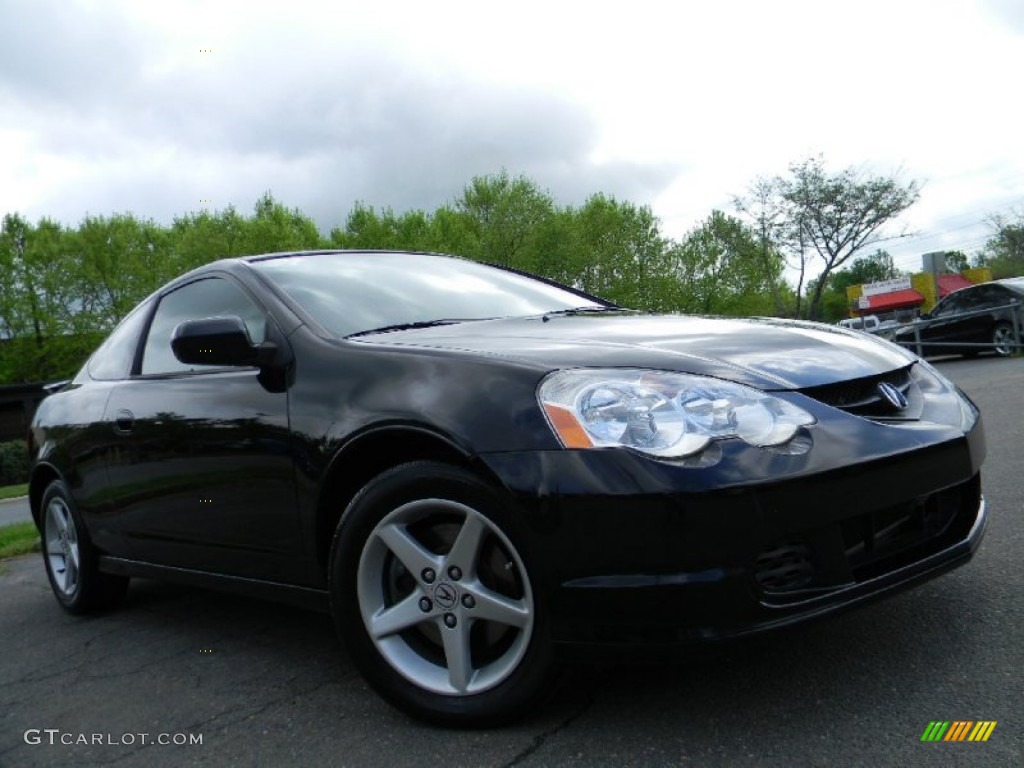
(958, 730)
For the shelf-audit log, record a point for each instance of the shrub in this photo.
(13, 463)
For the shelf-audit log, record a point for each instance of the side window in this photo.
(973, 299)
(996, 296)
(947, 306)
(210, 297)
(113, 360)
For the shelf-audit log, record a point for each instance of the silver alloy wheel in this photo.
(62, 549)
(1002, 338)
(454, 622)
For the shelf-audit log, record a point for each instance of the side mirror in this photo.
(218, 341)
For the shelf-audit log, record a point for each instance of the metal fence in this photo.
(918, 345)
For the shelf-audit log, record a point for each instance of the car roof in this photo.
(335, 251)
(1015, 284)
(235, 263)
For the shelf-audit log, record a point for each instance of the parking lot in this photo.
(264, 684)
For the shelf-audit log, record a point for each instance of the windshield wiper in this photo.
(411, 326)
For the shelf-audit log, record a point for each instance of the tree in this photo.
(837, 215)
(723, 269)
(956, 261)
(275, 227)
(1004, 251)
(199, 238)
(504, 216)
(875, 268)
(42, 335)
(767, 211)
(864, 269)
(610, 248)
(120, 260)
(366, 228)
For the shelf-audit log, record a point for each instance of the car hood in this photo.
(762, 352)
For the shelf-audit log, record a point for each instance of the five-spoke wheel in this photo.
(1002, 339)
(62, 553)
(444, 597)
(435, 598)
(71, 561)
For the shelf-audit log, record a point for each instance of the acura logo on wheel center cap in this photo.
(894, 397)
(445, 595)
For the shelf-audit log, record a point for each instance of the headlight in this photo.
(943, 402)
(661, 413)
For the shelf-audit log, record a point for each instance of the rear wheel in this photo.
(435, 599)
(71, 562)
(1002, 339)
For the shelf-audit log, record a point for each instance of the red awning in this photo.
(893, 300)
(949, 283)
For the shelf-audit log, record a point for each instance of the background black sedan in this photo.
(471, 468)
(980, 318)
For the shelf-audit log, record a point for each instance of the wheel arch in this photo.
(42, 475)
(369, 454)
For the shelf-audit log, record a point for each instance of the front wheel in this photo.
(1002, 339)
(434, 596)
(71, 562)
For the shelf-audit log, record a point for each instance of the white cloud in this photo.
(112, 106)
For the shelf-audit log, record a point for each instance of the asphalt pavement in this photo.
(263, 684)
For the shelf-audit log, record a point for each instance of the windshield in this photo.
(349, 293)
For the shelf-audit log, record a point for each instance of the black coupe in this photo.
(472, 468)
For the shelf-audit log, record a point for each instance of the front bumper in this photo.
(634, 551)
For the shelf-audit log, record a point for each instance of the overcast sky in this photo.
(154, 106)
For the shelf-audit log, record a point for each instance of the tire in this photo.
(71, 560)
(1002, 339)
(431, 590)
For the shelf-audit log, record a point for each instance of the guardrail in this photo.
(917, 344)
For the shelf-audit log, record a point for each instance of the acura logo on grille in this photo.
(893, 396)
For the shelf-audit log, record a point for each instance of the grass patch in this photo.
(13, 491)
(18, 539)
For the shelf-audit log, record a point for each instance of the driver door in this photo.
(201, 467)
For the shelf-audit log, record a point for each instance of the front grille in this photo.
(864, 398)
(784, 567)
(892, 537)
(867, 545)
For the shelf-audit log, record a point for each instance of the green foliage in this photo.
(606, 247)
(833, 216)
(45, 325)
(768, 215)
(64, 288)
(505, 217)
(956, 261)
(18, 539)
(1004, 251)
(614, 250)
(839, 214)
(834, 304)
(13, 491)
(277, 228)
(414, 230)
(721, 265)
(14, 462)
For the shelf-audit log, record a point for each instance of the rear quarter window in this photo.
(114, 358)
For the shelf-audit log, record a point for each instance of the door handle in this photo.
(124, 422)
